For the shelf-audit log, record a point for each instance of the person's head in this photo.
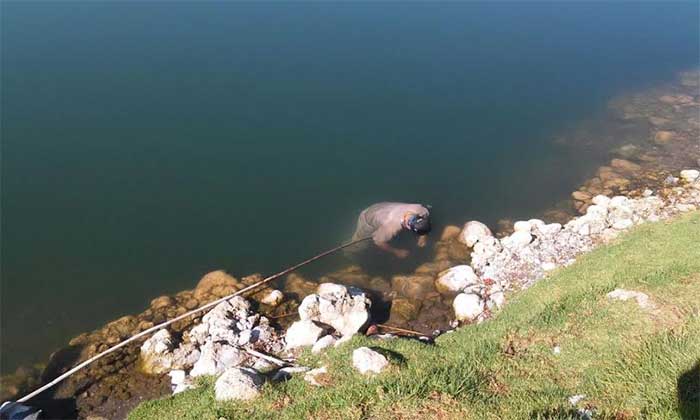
(418, 224)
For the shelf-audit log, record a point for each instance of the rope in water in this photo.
(183, 316)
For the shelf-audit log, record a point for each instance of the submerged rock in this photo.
(413, 287)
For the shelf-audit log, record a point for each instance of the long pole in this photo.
(183, 316)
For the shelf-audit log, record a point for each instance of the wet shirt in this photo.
(382, 221)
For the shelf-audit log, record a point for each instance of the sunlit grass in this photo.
(627, 361)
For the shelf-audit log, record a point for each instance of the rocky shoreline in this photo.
(469, 278)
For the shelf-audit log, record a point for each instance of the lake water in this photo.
(145, 144)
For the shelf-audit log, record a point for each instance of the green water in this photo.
(145, 144)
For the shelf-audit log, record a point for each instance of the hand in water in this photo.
(401, 253)
(422, 241)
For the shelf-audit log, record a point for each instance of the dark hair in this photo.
(419, 224)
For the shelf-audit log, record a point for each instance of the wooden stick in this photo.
(400, 329)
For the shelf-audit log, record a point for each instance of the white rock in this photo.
(474, 232)
(467, 306)
(690, 175)
(346, 309)
(556, 350)
(455, 279)
(549, 266)
(177, 376)
(286, 373)
(368, 361)
(623, 224)
(622, 294)
(550, 229)
(215, 358)
(322, 343)
(273, 298)
(522, 226)
(601, 200)
(536, 223)
(302, 333)
(238, 384)
(156, 353)
(517, 240)
(342, 340)
(183, 387)
(498, 298)
(312, 376)
(575, 399)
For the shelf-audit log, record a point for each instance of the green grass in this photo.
(629, 362)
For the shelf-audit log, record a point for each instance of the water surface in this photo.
(145, 144)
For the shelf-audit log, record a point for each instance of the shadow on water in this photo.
(688, 389)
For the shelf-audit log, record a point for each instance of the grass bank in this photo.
(628, 362)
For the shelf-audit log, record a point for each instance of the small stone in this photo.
(663, 137)
(556, 350)
(575, 399)
(517, 240)
(623, 224)
(177, 376)
(621, 294)
(548, 266)
(302, 333)
(238, 384)
(322, 343)
(625, 166)
(162, 302)
(368, 361)
(312, 376)
(273, 298)
(467, 306)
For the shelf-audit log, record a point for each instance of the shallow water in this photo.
(147, 144)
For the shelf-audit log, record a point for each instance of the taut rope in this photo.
(183, 316)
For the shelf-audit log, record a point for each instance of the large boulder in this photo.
(238, 384)
(418, 286)
(455, 279)
(368, 361)
(473, 232)
(346, 309)
(216, 283)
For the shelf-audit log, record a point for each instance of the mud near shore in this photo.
(638, 143)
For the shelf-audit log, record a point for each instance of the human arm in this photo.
(422, 240)
(399, 253)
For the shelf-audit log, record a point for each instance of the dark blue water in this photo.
(146, 144)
